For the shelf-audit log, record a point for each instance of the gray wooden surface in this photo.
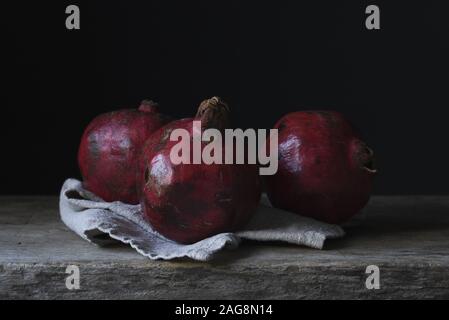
(406, 237)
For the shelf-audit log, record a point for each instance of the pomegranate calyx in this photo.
(365, 158)
(213, 113)
(149, 106)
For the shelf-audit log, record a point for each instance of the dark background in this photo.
(264, 58)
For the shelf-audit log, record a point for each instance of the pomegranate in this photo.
(110, 148)
(325, 171)
(189, 202)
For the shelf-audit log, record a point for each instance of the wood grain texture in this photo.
(407, 237)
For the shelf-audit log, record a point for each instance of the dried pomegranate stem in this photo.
(213, 113)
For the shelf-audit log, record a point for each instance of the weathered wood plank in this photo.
(407, 237)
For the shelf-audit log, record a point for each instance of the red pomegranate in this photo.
(325, 171)
(189, 202)
(110, 148)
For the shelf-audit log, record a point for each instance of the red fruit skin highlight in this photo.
(325, 170)
(190, 202)
(110, 148)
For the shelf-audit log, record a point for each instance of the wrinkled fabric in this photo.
(103, 222)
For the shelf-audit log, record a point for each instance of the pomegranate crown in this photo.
(213, 113)
(149, 106)
(365, 157)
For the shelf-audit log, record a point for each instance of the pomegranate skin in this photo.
(325, 170)
(190, 202)
(109, 151)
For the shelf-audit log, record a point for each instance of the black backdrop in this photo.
(264, 58)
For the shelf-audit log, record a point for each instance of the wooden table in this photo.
(407, 237)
